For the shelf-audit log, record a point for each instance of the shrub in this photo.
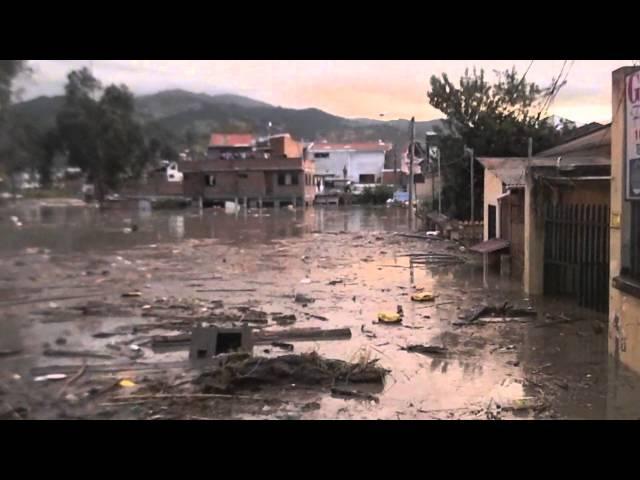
(377, 195)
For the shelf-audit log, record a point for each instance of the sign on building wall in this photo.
(632, 159)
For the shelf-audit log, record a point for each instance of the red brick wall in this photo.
(285, 146)
(154, 185)
(193, 184)
(242, 165)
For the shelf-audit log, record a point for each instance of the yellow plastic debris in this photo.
(423, 297)
(389, 317)
(126, 383)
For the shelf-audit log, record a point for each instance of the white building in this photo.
(171, 170)
(359, 163)
(173, 174)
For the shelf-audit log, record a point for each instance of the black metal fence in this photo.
(576, 253)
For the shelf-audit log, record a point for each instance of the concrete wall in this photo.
(367, 163)
(357, 163)
(533, 275)
(492, 190)
(515, 204)
(624, 309)
(587, 192)
(333, 164)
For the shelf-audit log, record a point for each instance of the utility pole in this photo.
(395, 167)
(431, 170)
(411, 154)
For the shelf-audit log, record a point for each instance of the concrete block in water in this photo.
(209, 341)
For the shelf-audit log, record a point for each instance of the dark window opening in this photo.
(243, 175)
(294, 179)
(281, 179)
(210, 180)
(201, 354)
(320, 155)
(228, 342)
(418, 178)
(367, 178)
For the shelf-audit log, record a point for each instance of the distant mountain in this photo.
(41, 110)
(173, 102)
(176, 111)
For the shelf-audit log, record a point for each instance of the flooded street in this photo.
(64, 272)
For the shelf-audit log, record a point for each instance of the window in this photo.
(210, 180)
(367, 178)
(492, 222)
(418, 178)
(243, 175)
(281, 179)
(320, 155)
(294, 179)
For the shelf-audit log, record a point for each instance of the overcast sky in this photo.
(362, 88)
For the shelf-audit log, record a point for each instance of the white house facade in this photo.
(359, 163)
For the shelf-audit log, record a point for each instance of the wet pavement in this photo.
(63, 273)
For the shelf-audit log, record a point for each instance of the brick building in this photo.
(239, 167)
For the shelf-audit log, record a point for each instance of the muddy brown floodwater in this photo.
(64, 272)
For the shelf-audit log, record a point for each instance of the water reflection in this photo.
(89, 229)
(176, 226)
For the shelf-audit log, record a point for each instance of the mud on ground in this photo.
(90, 317)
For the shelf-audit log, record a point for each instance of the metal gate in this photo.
(576, 253)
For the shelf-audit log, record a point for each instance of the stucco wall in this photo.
(492, 190)
(624, 309)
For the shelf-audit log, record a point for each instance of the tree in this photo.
(494, 120)
(9, 70)
(13, 142)
(48, 145)
(101, 135)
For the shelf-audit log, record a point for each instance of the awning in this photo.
(493, 245)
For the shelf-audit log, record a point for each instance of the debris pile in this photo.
(309, 369)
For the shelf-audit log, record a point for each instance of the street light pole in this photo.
(471, 159)
(439, 186)
(411, 152)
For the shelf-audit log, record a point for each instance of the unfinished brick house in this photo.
(271, 171)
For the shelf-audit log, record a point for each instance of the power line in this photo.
(553, 91)
(525, 73)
